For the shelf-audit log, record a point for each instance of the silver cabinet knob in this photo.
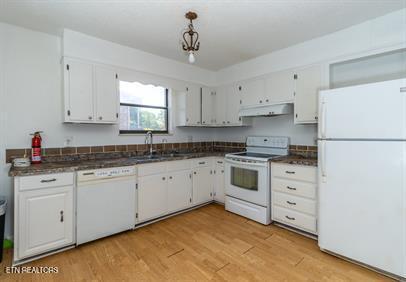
(100, 118)
(163, 178)
(90, 117)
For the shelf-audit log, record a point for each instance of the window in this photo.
(143, 108)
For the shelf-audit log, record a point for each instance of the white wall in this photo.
(380, 34)
(31, 98)
(80, 45)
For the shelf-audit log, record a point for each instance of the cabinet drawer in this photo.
(201, 162)
(303, 189)
(45, 181)
(294, 203)
(295, 219)
(295, 172)
(178, 165)
(152, 168)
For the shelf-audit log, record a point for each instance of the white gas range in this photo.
(247, 177)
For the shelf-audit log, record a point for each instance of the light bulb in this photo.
(191, 57)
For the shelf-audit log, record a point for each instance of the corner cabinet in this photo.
(44, 214)
(90, 92)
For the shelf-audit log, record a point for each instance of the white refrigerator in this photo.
(362, 174)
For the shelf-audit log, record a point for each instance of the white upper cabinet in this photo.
(193, 105)
(208, 111)
(220, 105)
(252, 92)
(233, 105)
(78, 83)
(91, 93)
(279, 87)
(107, 96)
(308, 82)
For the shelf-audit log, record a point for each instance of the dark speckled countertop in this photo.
(296, 160)
(71, 166)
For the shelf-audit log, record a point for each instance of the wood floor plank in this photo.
(204, 244)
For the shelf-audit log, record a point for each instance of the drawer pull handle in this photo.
(291, 203)
(219, 162)
(88, 173)
(202, 162)
(290, 172)
(48, 180)
(61, 216)
(291, 188)
(290, 218)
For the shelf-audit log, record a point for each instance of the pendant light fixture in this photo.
(191, 42)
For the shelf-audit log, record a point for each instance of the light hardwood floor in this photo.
(205, 244)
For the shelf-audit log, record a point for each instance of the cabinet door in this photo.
(78, 91)
(152, 196)
(252, 92)
(179, 190)
(45, 219)
(308, 82)
(233, 104)
(220, 105)
(202, 185)
(279, 87)
(193, 105)
(107, 99)
(219, 184)
(207, 106)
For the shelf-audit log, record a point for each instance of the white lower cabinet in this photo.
(202, 181)
(152, 196)
(219, 181)
(294, 196)
(179, 190)
(44, 214)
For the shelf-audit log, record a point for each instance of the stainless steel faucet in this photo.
(149, 139)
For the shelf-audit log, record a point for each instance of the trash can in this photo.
(3, 207)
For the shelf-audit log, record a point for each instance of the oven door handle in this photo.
(262, 164)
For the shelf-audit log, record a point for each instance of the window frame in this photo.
(149, 107)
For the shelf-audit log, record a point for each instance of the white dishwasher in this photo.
(106, 202)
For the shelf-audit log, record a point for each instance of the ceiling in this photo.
(230, 31)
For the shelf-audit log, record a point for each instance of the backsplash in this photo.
(303, 150)
(112, 151)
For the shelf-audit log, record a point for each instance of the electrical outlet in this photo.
(68, 141)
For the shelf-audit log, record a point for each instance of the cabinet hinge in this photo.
(136, 215)
(117, 115)
(190, 175)
(295, 76)
(67, 67)
(68, 112)
(190, 200)
(136, 186)
(296, 115)
(187, 88)
(116, 76)
(240, 102)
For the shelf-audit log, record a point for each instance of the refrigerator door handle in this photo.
(323, 119)
(323, 161)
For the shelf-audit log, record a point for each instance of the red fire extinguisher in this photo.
(36, 148)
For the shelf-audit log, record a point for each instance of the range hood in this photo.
(268, 110)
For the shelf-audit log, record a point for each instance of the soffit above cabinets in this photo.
(230, 33)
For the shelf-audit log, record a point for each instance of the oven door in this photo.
(248, 181)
